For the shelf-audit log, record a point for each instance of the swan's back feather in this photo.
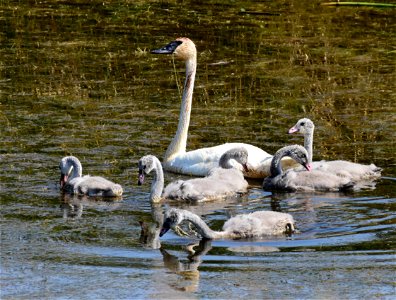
(259, 223)
(220, 183)
(302, 180)
(93, 186)
(349, 169)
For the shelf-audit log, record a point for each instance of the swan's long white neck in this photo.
(308, 144)
(202, 228)
(157, 185)
(179, 142)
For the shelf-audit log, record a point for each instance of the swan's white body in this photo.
(256, 224)
(354, 171)
(221, 182)
(299, 179)
(199, 162)
(73, 182)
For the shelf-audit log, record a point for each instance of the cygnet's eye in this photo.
(302, 123)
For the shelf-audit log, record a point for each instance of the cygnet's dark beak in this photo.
(289, 229)
(63, 180)
(141, 177)
(168, 49)
(245, 167)
(165, 227)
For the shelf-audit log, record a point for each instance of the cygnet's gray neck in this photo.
(202, 228)
(276, 166)
(308, 144)
(77, 167)
(157, 184)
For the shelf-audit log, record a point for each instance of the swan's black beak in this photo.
(141, 177)
(165, 227)
(168, 49)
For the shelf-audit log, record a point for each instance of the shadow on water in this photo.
(77, 78)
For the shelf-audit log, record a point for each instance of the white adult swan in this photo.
(199, 162)
(256, 224)
(354, 171)
(300, 179)
(72, 181)
(221, 182)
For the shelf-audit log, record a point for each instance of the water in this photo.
(78, 79)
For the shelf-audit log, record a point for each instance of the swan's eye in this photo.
(302, 124)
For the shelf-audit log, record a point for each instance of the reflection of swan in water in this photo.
(354, 171)
(221, 182)
(187, 269)
(256, 224)
(199, 162)
(73, 182)
(72, 206)
(299, 179)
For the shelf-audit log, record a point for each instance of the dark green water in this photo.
(77, 78)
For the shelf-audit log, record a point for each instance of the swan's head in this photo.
(146, 165)
(66, 168)
(182, 48)
(172, 218)
(296, 152)
(303, 126)
(240, 154)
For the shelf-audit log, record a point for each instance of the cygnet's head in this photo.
(183, 48)
(298, 153)
(172, 218)
(303, 126)
(290, 227)
(240, 154)
(66, 167)
(146, 165)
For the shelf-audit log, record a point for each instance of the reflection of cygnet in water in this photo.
(71, 210)
(72, 205)
(150, 231)
(187, 269)
(149, 234)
